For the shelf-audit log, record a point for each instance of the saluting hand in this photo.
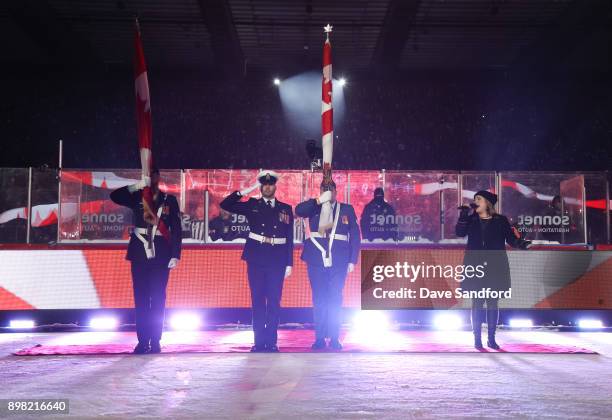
(250, 189)
(140, 185)
(173, 263)
(324, 198)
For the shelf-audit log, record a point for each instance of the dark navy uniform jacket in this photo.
(171, 217)
(275, 222)
(343, 252)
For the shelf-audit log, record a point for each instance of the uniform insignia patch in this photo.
(283, 217)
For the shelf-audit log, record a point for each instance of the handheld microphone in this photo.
(472, 206)
(466, 209)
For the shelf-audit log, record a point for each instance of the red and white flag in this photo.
(327, 112)
(145, 132)
(327, 129)
(143, 106)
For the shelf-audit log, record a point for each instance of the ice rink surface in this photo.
(315, 385)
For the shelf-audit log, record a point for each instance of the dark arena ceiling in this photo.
(238, 37)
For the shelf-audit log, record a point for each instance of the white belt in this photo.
(266, 240)
(149, 248)
(327, 255)
(337, 236)
(144, 231)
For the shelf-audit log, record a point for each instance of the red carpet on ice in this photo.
(299, 341)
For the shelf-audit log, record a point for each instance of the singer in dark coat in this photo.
(488, 233)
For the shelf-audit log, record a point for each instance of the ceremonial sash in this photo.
(149, 241)
(327, 254)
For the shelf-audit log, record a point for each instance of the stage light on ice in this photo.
(185, 321)
(448, 322)
(590, 324)
(104, 323)
(370, 322)
(21, 323)
(520, 323)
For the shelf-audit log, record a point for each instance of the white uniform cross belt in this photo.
(149, 243)
(326, 254)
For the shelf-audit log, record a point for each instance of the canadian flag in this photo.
(143, 113)
(327, 129)
(145, 135)
(327, 112)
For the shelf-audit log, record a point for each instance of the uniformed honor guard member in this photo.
(268, 253)
(331, 251)
(154, 249)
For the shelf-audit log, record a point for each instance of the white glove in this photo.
(173, 263)
(351, 267)
(325, 197)
(287, 271)
(144, 182)
(248, 190)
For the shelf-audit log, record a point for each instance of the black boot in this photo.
(141, 348)
(155, 347)
(335, 344)
(492, 316)
(477, 328)
(492, 344)
(319, 344)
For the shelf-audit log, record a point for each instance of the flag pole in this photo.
(29, 226)
(59, 190)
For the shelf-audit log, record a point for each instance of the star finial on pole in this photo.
(327, 29)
